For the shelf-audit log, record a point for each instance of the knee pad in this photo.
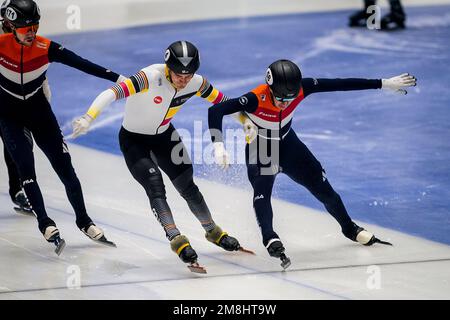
(185, 185)
(142, 169)
(149, 176)
(155, 186)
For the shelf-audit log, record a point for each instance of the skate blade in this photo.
(25, 212)
(106, 242)
(247, 251)
(383, 242)
(196, 268)
(285, 262)
(60, 245)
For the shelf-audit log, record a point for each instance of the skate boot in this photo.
(276, 250)
(393, 21)
(223, 240)
(362, 236)
(51, 234)
(181, 246)
(96, 234)
(22, 203)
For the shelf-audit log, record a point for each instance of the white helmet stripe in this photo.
(185, 60)
(185, 49)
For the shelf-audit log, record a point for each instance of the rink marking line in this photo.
(221, 276)
(32, 252)
(371, 264)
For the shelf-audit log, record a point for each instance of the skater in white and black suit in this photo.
(276, 148)
(150, 143)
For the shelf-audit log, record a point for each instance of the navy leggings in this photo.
(36, 115)
(294, 159)
(13, 175)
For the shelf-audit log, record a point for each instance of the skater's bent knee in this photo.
(155, 186)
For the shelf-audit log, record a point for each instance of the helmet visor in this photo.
(284, 99)
(25, 30)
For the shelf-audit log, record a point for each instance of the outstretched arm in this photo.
(211, 94)
(135, 84)
(58, 53)
(398, 83)
(248, 103)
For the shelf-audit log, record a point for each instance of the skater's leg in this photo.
(302, 167)
(14, 181)
(172, 157)
(394, 19)
(145, 171)
(49, 138)
(262, 194)
(184, 183)
(21, 152)
(190, 192)
(168, 156)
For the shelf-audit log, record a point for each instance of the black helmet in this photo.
(285, 79)
(20, 13)
(182, 57)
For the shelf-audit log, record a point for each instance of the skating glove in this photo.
(399, 83)
(81, 125)
(250, 131)
(221, 155)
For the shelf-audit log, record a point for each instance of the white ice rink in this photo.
(325, 265)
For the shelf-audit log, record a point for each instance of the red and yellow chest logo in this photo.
(157, 99)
